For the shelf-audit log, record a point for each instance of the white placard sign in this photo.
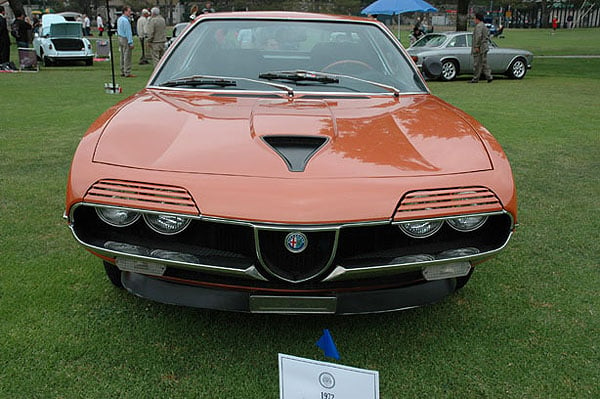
(309, 379)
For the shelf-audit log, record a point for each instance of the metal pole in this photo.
(112, 58)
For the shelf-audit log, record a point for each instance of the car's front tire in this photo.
(449, 70)
(113, 273)
(47, 62)
(517, 69)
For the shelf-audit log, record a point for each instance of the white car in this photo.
(62, 40)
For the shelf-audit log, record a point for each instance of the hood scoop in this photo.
(296, 151)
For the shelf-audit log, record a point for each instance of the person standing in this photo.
(100, 25)
(4, 39)
(156, 32)
(208, 8)
(141, 32)
(87, 26)
(479, 50)
(125, 36)
(23, 30)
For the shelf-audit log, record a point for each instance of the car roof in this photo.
(49, 19)
(282, 15)
(450, 33)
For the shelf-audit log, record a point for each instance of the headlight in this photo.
(467, 223)
(117, 217)
(166, 224)
(421, 229)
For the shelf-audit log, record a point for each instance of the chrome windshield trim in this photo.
(296, 93)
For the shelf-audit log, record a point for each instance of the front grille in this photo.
(386, 244)
(296, 266)
(217, 244)
(142, 195)
(230, 253)
(447, 202)
(67, 44)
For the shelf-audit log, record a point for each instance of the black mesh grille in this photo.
(381, 245)
(296, 266)
(68, 44)
(212, 243)
(233, 246)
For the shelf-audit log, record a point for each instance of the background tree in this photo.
(16, 5)
(462, 14)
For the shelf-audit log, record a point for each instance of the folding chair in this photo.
(102, 49)
(28, 60)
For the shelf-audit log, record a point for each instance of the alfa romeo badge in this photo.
(296, 242)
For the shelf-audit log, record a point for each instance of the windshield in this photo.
(66, 29)
(262, 53)
(430, 41)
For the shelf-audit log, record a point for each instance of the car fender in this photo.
(516, 57)
(452, 58)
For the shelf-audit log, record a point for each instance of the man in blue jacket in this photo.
(125, 35)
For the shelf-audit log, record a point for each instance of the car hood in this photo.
(186, 131)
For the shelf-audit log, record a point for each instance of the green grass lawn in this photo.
(526, 326)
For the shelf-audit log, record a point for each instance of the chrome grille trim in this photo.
(248, 273)
(341, 273)
(338, 273)
(335, 231)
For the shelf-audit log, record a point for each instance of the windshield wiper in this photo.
(312, 76)
(206, 80)
(300, 76)
(382, 85)
(200, 80)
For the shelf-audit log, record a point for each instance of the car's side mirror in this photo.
(432, 68)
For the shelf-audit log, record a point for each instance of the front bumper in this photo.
(351, 302)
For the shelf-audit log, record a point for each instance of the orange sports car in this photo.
(284, 162)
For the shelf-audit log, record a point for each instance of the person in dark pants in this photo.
(141, 32)
(4, 39)
(479, 50)
(23, 28)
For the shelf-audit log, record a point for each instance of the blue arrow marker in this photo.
(327, 345)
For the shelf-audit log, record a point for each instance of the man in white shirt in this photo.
(141, 32)
(100, 25)
(87, 25)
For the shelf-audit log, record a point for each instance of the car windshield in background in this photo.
(263, 54)
(430, 41)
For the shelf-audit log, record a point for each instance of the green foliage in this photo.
(526, 325)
